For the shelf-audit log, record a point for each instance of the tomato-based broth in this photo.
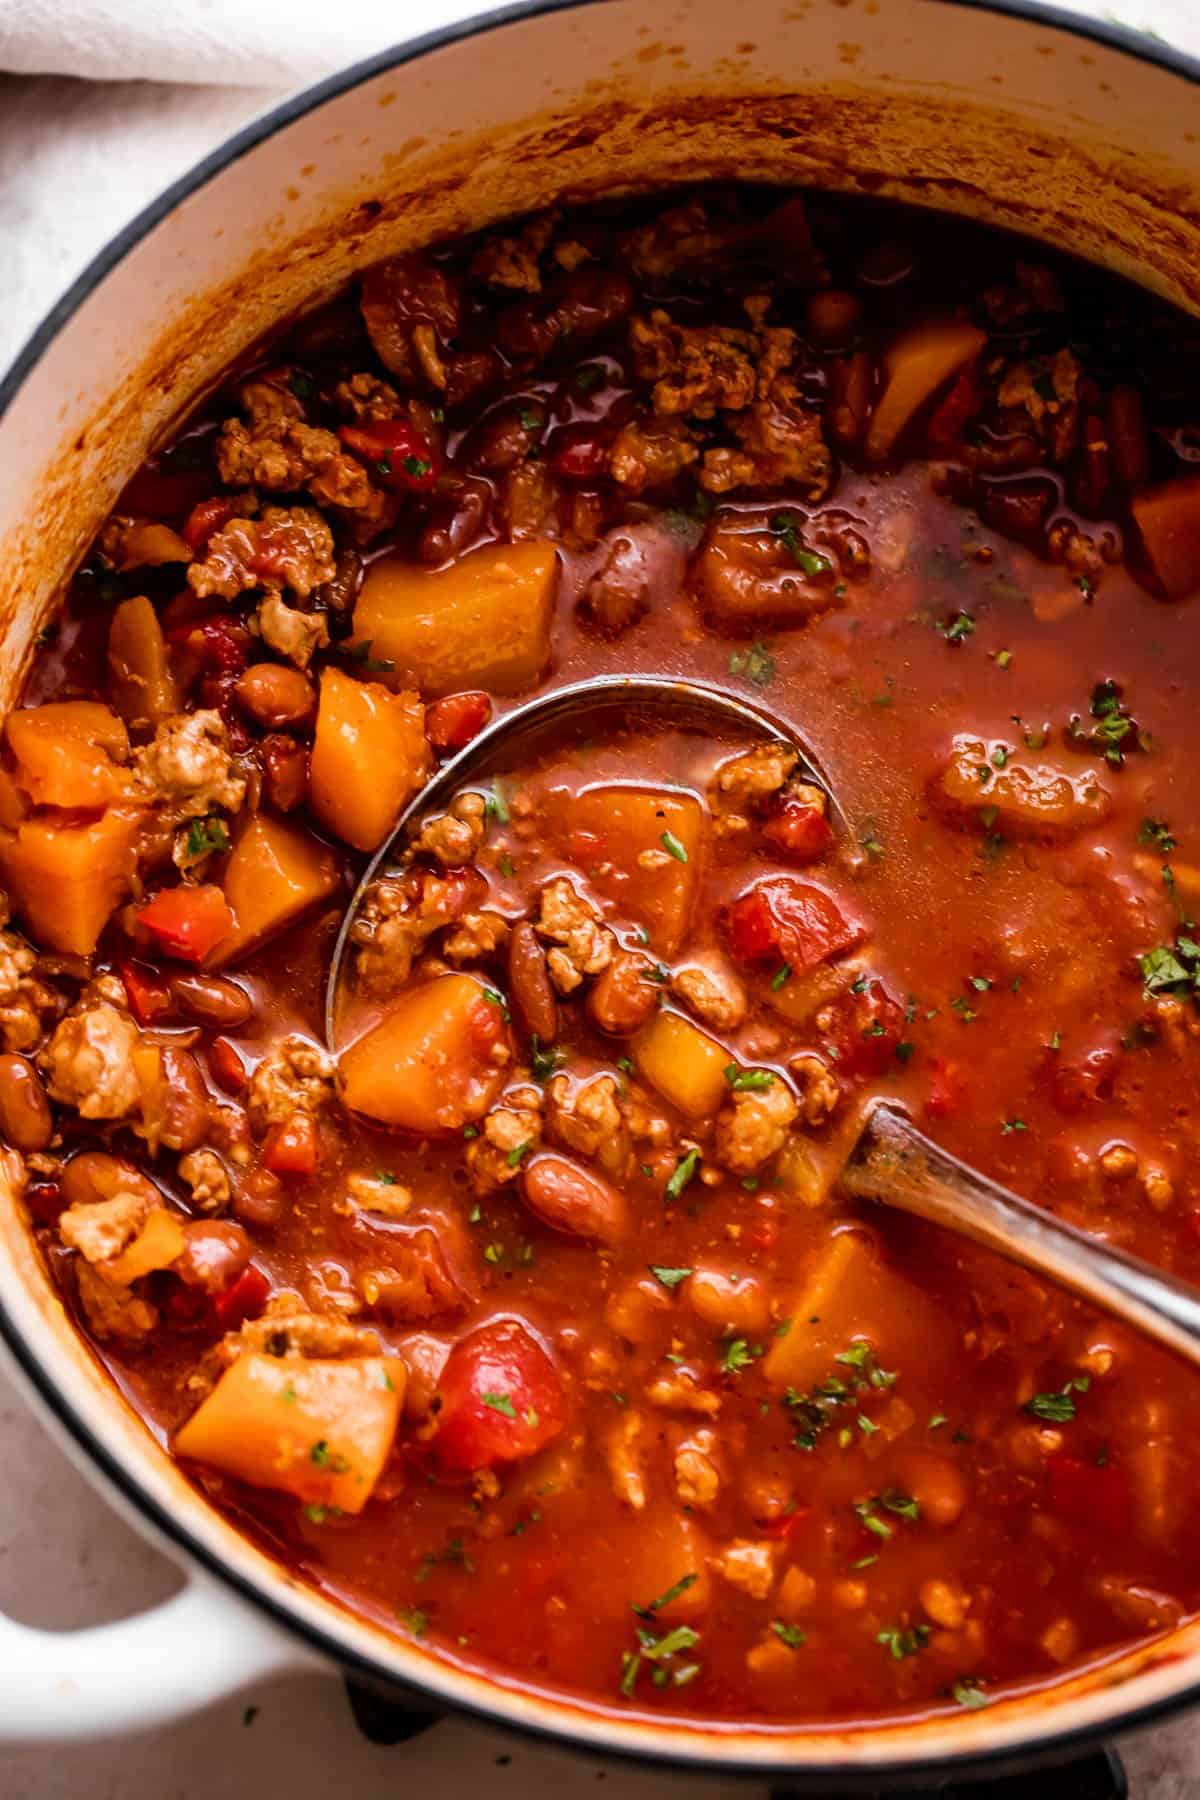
(533, 1322)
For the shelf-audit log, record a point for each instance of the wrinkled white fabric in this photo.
(244, 43)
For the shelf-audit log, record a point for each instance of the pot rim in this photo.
(122, 1475)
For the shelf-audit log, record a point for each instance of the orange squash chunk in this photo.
(683, 1063)
(915, 366)
(64, 753)
(608, 831)
(483, 622)
(273, 874)
(430, 1065)
(369, 757)
(67, 879)
(320, 1430)
(139, 675)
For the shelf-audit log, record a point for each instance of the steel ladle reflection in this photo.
(892, 1162)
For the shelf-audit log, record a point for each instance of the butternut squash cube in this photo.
(158, 1244)
(661, 1552)
(640, 848)
(482, 622)
(683, 1063)
(67, 879)
(64, 753)
(915, 365)
(317, 1429)
(369, 757)
(431, 1065)
(140, 680)
(273, 874)
(847, 1294)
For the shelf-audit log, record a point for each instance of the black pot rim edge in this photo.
(832, 1777)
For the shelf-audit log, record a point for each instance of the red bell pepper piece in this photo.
(868, 1027)
(244, 1298)
(790, 921)
(149, 995)
(293, 1147)
(947, 1087)
(400, 455)
(205, 520)
(188, 922)
(801, 832)
(453, 721)
(501, 1399)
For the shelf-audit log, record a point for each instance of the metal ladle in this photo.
(891, 1162)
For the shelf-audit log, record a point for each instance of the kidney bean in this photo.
(456, 517)
(571, 1198)
(285, 765)
(211, 1000)
(338, 596)
(728, 1299)
(273, 695)
(586, 302)
(94, 1175)
(935, 1483)
(1017, 508)
(226, 1066)
(258, 1199)
(25, 1119)
(529, 984)
(622, 996)
(1128, 439)
(469, 373)
(832, 317)
(505, 437)
(215, 1251)
(181, 1101)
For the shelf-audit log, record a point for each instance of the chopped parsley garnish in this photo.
(544, 1059)
(968, 1693)
(756, 664)
(956, 629)
(360, 653)
(205, 836)
(385, 1178)
(530, 420)
(1157, 833)
(1115, 730)
(1059, 1408)
(518, 1151)
(815, 1411)
(682, 1173)
(1172, 969)
(748, 1081)
(809, 560)
(791, 1635)
(904, 1642)
(500, 1403)
(414, 1619)
(322, 1457)
(302, 385)
(872, 843)
(781, 976)
(738, 1356)
(673, 847)
(1008, 1126)
(673, 1592)
(865, 1511)
(1003, 659)
(495, 806)
(668, 1278)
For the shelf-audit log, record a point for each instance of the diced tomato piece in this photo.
(790, 921)
(501, 1399)
(205, 520)
(869, 1025)
(242, 1299)
(578, 453)
(1090, 1495)
(220, 645)
(485, 1027)
(454, 720)
(801, 832)
(226, 1066)
(188, 921)
(947, 1087)
(164, 493)
(398, 454)
(787, 1524)
(293, 1147)
(149, 995)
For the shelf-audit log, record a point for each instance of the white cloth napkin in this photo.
(283, 43)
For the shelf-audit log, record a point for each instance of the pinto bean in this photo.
(529, 983)
(273, 695)
(211, 1000)
(178, 1115)
(215, 1251)
(285, 770)
(728, 1299)
(623, 997)
(94, 1175)
(571, 1198)
(258, 1199)
(935, 1483)
(25, 1119)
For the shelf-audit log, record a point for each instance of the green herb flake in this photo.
(683, 1172)
(1058, 1408)
(968, 1693)
(781, 977)
(673, 847)
(668, 1278)
(1007, 1126)
(808, 560)
(500, 1403)
(756, 665)
(360, 653)
(544, 1059)
(1156, 833)
(738, 1356)
(518, 1151)
(902, 1642)
(413, 1619)
(495, 806)
(748, 1081)
(958, 628)
(206, 836)
(791, 1635)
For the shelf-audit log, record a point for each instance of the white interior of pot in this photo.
(1022, 124)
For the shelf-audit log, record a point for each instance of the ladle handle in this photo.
(896, 1164)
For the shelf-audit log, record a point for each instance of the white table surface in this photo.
(76, 160)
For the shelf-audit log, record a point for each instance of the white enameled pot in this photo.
(1085, 135)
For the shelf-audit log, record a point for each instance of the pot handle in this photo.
(200, 1645)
